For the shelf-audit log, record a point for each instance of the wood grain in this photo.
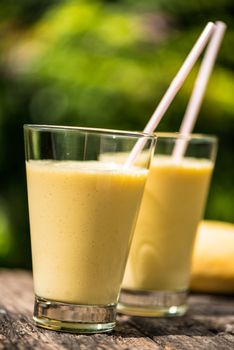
(208, 325)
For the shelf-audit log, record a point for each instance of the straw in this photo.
(199, 89)
(173, 89)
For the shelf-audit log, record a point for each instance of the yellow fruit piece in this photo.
(213, 258)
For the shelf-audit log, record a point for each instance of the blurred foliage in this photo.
(104, 64)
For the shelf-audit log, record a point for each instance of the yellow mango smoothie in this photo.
(172, 206)
(82, 216)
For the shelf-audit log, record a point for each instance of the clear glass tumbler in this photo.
(83, 205)
(156, 279)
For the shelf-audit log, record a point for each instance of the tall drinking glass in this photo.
(157, 275)
(82, 212)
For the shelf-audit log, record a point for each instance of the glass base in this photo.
(74, 318)
(152, 303)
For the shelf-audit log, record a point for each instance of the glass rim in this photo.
(124, 133)
(190, 137)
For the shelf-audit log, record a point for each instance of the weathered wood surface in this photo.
(208, 325)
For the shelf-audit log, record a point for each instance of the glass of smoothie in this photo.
(157, 274)
(82, 212)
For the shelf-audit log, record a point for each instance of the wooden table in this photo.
(208, 325)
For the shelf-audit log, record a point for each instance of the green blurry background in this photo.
(104, 64)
